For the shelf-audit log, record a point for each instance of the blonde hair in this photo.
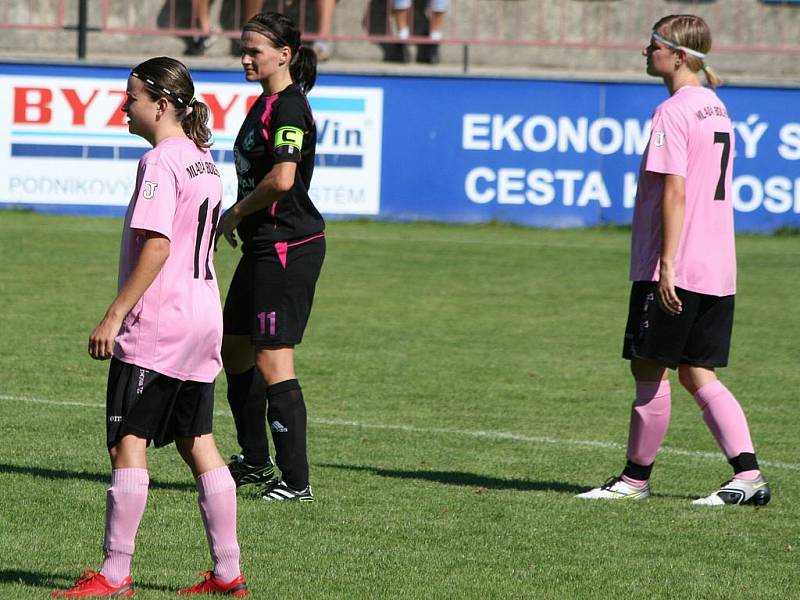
(692, 32)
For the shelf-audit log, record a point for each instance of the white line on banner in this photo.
(495, 435)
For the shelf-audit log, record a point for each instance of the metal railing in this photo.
(568, 24)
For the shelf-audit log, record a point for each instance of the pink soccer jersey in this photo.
(692, 136)
(176, 327)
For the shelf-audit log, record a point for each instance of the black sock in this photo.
(287, 421)
(638, 472)
(746, 461)
(247, 397)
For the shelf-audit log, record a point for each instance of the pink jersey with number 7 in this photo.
(176, 327)
(692, 136)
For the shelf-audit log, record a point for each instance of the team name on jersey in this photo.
(200, 167)
(711, 111)
(246, 185)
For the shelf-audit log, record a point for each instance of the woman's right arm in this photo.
(154, 254)
(269, 190)
(672, 213)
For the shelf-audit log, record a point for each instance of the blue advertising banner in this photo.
(541, 153)
(565, 154)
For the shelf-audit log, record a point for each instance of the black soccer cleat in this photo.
(278, 491)
(244, 473)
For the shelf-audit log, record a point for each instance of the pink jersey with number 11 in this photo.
(176, 327)
(692, 136)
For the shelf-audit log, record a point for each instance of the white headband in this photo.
(666, 42)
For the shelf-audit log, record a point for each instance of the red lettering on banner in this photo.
(251, 100)
(218, 112)
(78, 107)
(118, 117)
(25, 102)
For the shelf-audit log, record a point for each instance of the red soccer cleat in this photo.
(94, 585)
(212, 585)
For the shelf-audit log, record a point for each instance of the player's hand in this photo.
(103, 338)
(667, 297)
(227, 227)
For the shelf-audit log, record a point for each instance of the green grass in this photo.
(423, 337)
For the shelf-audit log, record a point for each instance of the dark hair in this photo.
(166, 77)
(281, 31)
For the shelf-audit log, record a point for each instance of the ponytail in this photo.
(195, 124)
(712, 78)
(303, 68)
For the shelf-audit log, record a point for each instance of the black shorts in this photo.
(271, 292)
(700, 336)
(155, 407)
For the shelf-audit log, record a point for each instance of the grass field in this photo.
(463, 383)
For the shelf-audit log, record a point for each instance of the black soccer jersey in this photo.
(278, 128)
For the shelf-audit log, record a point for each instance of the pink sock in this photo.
(649, 422)
(125, 502)
(725, 419)
(217, 499)
(634, 482)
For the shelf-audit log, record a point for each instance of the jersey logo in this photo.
(249, 140)
(242, 164)
(289, 136)
(658, 138)
(149, 189)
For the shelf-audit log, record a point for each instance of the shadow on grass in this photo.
(483, 482)
(52, 582)
(86, 476)
(468, 479)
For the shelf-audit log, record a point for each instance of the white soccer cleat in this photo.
(739, 491)
(616, 489)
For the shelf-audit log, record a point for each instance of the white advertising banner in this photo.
(64, 141)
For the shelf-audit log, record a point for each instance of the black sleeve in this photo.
(288, 129)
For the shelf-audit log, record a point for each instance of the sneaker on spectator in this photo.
(197, 46)
(396, 53)
(428, 54)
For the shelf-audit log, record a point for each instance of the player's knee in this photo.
(276, 364)
(693, 378)
(685, 378)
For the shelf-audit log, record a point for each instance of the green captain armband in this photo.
(289, 136)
